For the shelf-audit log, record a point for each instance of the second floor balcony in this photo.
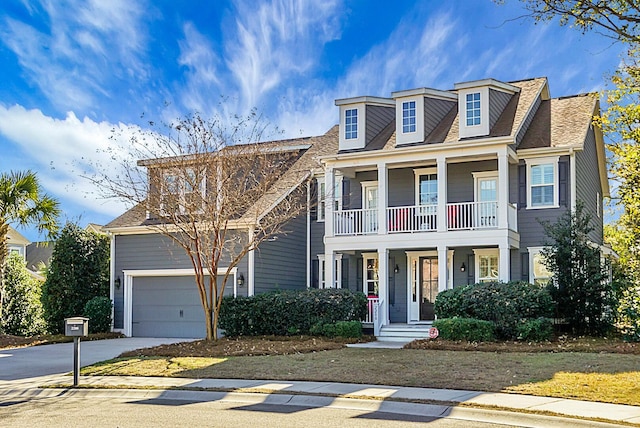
(422, 218)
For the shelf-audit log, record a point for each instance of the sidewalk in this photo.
(444, 397)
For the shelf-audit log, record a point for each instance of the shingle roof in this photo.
(560, 122)
(317, 146)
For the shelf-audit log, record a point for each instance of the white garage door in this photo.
(168, 307)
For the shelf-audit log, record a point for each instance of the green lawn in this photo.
(605, 377)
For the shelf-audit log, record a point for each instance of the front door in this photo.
(428, 288)
(487, 195)
(370, 205)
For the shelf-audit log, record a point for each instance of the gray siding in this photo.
(317, 238)
(280, 263)
(356, 187)
(377, 118)
(460, 179)
(401, 187)
(398, 287)
(498, 100)
(527, 121)
(588, 186)
(152, 251)
(434, 111)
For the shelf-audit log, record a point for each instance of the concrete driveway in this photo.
(54, 359)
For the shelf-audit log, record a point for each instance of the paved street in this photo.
(127, 408)
(44, 360)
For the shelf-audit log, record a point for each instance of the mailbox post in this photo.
(76, 327)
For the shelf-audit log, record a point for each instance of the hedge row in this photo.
(508, 305)
(284, 313)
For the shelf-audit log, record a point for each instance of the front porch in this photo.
(402, 284)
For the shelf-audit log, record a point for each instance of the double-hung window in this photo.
(487, 265)
(408, 117)
(473, 109)
(351, 124)
(542, 177)
(323, 195)
(538, 272)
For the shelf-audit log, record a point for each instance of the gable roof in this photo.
(561, 122)
(14, 237)
(312, 149)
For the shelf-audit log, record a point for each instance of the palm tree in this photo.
(22, 202)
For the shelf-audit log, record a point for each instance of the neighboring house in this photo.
(417, 193)
(17, 243)
(39, 255)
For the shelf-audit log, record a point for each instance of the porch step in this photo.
(404, 332)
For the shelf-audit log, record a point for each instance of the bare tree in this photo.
(214, 190)
(616, 19)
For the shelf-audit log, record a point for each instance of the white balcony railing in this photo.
(355, 222)
(423, 218)
(417, 218)
(372, 303)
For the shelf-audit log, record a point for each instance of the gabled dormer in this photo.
(362, 118)
(480, 104)
(418, 112)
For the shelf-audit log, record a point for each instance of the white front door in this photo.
(370, 206)
(486, 193)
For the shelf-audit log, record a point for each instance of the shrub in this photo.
(22, 313)
(629, 314)
(283, 312)
(79, 271)
(349, 329)
(98, 310)
(505, 304)
(470, 329)
(536, 330)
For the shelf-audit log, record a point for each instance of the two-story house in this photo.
(415, 194)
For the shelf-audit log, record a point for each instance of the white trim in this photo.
(572, 174)
(251, 268)
(417, 135)
(533, 251)
(550, 160)
(485, 252)
(472, 131)
(359, 141)
(129, 274)
(480, 175)
(417, 172)
(308, 264)
(489, 83)
(365, 185)
(112, 270)
(412, 278)
(366, 99)
(425, 92)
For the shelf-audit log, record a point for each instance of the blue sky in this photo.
(74, 70)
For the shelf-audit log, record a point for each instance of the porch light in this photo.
(117, 283)
(240, 280)
(463, 267)
(396, 269)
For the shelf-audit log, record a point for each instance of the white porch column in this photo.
(443, 269)
(442, 194)
(383, 284)
(329, 271)
(251, 260)
(383, 198)
(505, 263)
(503, 191)
(329, 187)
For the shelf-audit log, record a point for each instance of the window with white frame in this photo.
(487, 265)
(351, 124)
(323, 196)
(542, 177)
(408, 117)
(473, 109)
(181, 191)
(337, 271)
(538, 272)
(426, 186)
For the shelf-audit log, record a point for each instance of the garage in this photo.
(167, 306)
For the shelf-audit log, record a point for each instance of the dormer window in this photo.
(351, 124)
(473, 109)
(408, 117)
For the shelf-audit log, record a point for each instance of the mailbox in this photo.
(76, 326)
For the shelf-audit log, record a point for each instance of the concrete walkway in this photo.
(445, 398)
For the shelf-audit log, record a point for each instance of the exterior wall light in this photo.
(463, 267)
(117, 282)
(240, 280)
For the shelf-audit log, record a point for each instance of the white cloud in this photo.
(64, 150)
(277, 40)
(85, 46)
